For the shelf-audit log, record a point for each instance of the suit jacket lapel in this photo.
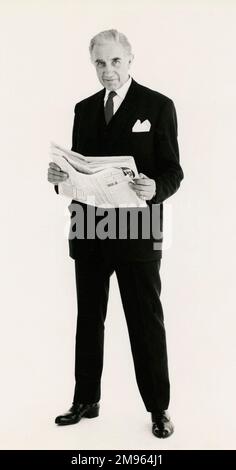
(95, 119)
(125, 112)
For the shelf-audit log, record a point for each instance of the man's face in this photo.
(112, 64)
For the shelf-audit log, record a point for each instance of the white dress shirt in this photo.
(120, 94)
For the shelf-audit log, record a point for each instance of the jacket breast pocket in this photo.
(142, 142)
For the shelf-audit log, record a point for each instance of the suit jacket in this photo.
(156, 154)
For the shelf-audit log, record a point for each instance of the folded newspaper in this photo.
(98, 181)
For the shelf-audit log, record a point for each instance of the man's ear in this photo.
(131, 58)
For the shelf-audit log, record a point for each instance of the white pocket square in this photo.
(139, 126)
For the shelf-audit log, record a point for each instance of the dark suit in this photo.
(135, 262)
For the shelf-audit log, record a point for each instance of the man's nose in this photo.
(108, 69)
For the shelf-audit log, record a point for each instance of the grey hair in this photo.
(111, 35)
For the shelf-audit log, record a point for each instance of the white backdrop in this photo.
(184, 50)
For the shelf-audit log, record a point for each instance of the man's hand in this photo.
(144, 187)
(55, 174)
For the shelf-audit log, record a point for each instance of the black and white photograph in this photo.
(118, 226)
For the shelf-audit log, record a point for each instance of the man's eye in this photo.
(100, 64)
(116, 61)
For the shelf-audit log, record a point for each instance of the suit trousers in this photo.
(140, 288)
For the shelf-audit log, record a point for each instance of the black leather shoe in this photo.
(78, 411)
(162, 426)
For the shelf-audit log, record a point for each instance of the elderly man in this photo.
(124, 118)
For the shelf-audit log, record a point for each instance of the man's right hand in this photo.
(55, 174)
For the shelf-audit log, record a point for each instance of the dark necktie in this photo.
(109, 107)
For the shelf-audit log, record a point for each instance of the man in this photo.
(124, 118)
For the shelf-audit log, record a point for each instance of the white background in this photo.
(184, 49)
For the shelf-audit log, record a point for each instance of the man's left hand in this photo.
(144, 187)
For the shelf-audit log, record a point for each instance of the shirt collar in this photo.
(121, 92)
